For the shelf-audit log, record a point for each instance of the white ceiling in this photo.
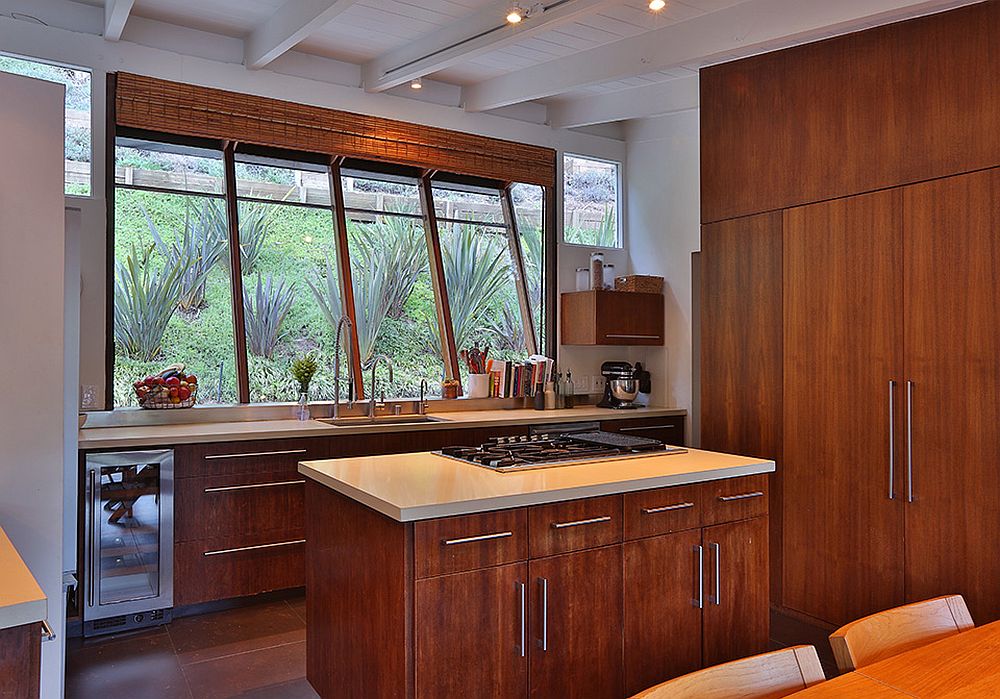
(597, 52)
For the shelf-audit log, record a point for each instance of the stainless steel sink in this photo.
(352, 420)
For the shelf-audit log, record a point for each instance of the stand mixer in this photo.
(621, 386)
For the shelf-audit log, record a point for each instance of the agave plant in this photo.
(508, 327)
(195, 252)
(532, 251)
(254, 221)
(392, 247)
(264, 311)
(144, 303)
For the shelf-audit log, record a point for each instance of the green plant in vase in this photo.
(303, 370)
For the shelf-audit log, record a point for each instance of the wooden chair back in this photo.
(894, 631)
(767, 676)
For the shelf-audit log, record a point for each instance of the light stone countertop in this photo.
(21, 599)
(409, 487)
(192, 433)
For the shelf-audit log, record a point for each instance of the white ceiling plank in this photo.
(292, 23)
(666, 97)
(115, 15)
(702, 39)
(452, 44)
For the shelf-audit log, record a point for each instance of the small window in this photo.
(591, 202)
(78, 143)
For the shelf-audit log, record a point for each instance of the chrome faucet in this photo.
(351, 395)
(371, 401)
(422, 405)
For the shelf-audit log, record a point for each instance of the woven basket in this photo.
(642, 283)
(160, 400)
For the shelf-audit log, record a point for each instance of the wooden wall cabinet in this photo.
(611, 318)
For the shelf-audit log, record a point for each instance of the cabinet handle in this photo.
(481, 537)
(909, 441)
(632, 337)
(717, 550)
(667, 508)
(254, 453)
(646, 428)
(521, 647)
(579, 522)
(543, 642)
(47, 633)
(699, 599)
(94, 507)
(254, 548)
(741, 496)
(892, 439)
(250, 486)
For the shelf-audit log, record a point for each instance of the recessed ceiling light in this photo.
(417, 83)
(515, 15)
(657, 5)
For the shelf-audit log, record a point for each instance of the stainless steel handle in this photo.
(481, 537)
(521, 646)
(633, 337)
(699, 600)
(94, 517)
(742, 496)
(579, 522)
(667, 508)
(251, 486)
(543, 642)
(892, 439)
(47, 633)
(646, 428)
(255, 453)
(718, 567)
(909, 441)
(219, 552)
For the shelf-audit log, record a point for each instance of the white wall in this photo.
(664, 228)
(34, 439)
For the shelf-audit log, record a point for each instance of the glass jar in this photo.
(597, 270)
(609, 276)
(582, 278)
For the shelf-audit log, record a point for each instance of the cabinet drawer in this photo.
(663, 510)
(454, 544)
(574, 525)
(205, 571)
(236, 458)
(243, 507)
(734, 499)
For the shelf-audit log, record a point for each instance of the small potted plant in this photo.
(303, 370)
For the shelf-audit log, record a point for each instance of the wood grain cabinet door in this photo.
(470, 634)
(952, 292)
(576, 625)
(842, 549)
(736, 617)
(662, 613)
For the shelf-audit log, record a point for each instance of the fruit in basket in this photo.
(173, 381)
(183, 392)
(167, 389)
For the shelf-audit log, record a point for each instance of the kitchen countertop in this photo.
(192, 433)
(21, 599)
(409, 487)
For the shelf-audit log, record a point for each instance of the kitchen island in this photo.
(431, 577)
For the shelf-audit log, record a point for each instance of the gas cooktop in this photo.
(547, 450)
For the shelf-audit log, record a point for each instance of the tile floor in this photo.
(255, 651)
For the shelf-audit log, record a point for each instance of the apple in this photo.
(192, 379)
(183, 393)
(173, 381)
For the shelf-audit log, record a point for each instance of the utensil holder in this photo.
(479, 386)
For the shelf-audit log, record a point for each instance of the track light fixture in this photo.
(517, 13)
(657, 5)
(417, 84)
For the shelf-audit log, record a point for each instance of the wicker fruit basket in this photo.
(643, 283)
(171, 389)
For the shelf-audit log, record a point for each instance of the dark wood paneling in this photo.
(669, 429)
(842, 346)
(20, 661)
(662, 621)
(583, 643)
(434, 556)
(467, 634)
(640, 523)
(200, 578)
(279, 457)
(733, 499)
(359, 595)
(887, 106)
(611, 318)
(952, 293)
(736, 622)
(741, 353)
(545, 538)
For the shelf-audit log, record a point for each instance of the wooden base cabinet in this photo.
(20, 661)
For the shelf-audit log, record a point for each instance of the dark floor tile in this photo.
(270, 672)
(200, 638)
(298, 605)
(790, 631)
(138, 666)
(294, 689)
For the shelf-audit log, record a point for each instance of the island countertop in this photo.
(424, 485)
(21, 599)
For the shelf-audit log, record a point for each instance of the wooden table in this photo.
(963, 665)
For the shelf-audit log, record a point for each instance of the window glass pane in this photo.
(590, 202)
(172, 294)
(291, 298)
(78, 143)
(375, 193)
(394, 302)
(167, 166)
(284, 184)
(452, 203)
(528, 208)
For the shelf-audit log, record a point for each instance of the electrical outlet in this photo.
(598, 384)
(581, 383)
(88, 397)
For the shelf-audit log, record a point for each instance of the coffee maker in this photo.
(621, 386)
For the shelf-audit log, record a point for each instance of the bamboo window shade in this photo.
(153, 104)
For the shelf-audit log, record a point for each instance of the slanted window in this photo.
(591, 202)
(78, 142)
